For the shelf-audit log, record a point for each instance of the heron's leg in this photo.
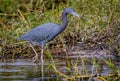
(42, 55)
(42, 72)
(36, 54)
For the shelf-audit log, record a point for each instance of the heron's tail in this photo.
(19, 38)
(23, 37)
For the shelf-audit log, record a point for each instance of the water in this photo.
(25, 70)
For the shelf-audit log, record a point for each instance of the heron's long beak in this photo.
(75, 14)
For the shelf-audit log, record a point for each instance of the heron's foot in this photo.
(35, 58)
(42, 62)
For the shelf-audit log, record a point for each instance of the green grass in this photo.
(98, 14)
(17, 17)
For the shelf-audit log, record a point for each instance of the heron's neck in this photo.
(64, 21)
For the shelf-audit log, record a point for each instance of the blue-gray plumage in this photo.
(44, 33)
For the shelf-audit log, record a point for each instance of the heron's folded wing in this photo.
(39, 33)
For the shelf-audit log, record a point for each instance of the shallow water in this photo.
(25, 70)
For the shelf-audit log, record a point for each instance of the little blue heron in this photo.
(44, 33)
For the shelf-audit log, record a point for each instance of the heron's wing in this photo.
(39, 33)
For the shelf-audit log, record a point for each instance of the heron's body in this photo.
(44, 33)
(41, 34)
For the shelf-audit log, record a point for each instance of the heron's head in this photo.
(71, 11)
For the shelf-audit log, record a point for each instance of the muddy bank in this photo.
(80, 50)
